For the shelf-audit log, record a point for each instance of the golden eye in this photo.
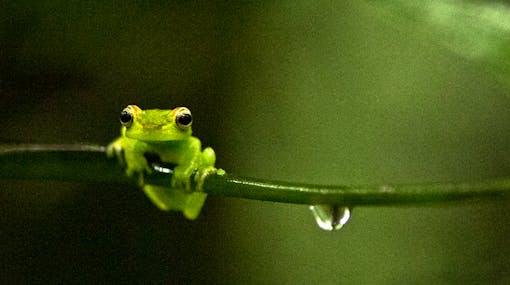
(183, 119)
(126, 117)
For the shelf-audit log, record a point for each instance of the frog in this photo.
(164, 136)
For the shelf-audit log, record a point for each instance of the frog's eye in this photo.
(183, 118)
(126, 117)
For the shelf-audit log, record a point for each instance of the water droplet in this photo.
(330, 217)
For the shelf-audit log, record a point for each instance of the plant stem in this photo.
(356, 195)
(88, 163)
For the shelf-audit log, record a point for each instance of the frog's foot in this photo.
(194, 205)
(181, 180)
(133, 163)
(202, 174)
(115, 149)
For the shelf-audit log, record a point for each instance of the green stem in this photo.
(356, 195)
(88, 163)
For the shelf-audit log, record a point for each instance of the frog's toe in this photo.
(116, 150)
(113, 149)
(110, 150)
(202, 174)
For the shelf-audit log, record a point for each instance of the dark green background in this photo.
(352, 92)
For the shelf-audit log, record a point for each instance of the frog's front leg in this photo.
(208, 159)
(116, 149)
(181, 177)
(130, 153)
(136, 163)
(189, 161)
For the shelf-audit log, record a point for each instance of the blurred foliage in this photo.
(477, 30)
(320, 92)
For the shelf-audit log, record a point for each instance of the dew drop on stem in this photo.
(330, 217)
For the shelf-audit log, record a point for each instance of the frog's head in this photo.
(155, 124)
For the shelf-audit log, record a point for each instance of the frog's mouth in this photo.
(155, 133)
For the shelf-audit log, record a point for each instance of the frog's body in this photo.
(165, 134)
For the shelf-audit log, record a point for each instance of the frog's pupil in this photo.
(184, 119)
(125, 117)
